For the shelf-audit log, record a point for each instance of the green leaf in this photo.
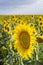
(1, 26)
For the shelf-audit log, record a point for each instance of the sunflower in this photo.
(40, 39)
(24, 39)
(40, 18)
(14, 18)
(32, 16)
(32, 24)
(41, 23)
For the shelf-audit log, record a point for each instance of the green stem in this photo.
(37, 51)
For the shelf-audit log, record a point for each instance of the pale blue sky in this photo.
(21, 6)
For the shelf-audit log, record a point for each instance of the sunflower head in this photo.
(24, 39)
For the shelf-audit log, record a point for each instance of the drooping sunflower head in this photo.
(25, 39)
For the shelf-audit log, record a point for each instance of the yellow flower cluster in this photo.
(40, 21)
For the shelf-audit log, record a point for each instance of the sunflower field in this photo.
(21, 39)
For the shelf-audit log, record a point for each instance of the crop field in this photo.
(21, 39)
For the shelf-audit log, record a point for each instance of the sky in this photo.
(21, 6)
